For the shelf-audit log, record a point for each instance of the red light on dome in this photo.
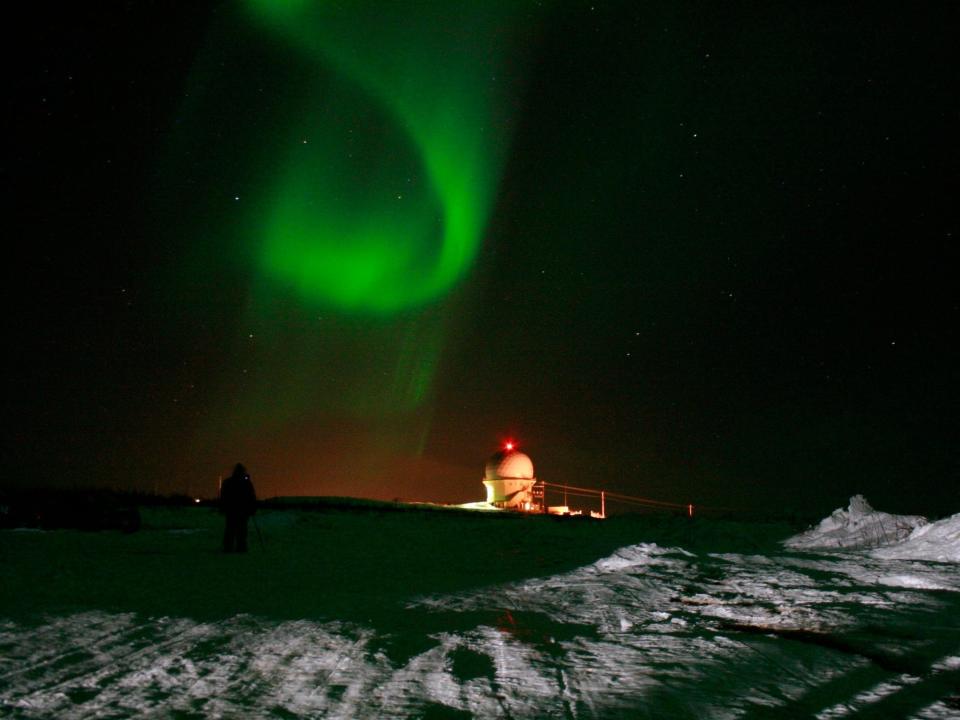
(508, 445)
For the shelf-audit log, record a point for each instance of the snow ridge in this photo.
(858, 527)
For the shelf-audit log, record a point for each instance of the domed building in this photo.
(509, 480)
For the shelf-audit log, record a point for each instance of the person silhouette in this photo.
(238, 502)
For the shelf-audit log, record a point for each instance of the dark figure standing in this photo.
(237, 502)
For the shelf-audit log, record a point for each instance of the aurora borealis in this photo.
(690, 253)
(386, 223)
(371, 188)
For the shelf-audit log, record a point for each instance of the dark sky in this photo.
(717, 262)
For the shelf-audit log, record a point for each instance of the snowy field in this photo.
(349, 614)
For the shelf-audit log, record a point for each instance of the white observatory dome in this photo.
(509, 465)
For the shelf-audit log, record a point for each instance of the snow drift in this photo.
(899, 537)
(938, 541)
(856, 528)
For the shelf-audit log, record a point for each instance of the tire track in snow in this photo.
(94, 672)
(75, 631)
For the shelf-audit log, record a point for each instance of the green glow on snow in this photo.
(382, 201)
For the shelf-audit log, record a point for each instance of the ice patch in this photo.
(947, 663)
(911, 581)
(640, 555)
(873, 695)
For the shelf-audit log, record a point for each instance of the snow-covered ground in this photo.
(648, 630)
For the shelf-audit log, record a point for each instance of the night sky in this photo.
(694, 252)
